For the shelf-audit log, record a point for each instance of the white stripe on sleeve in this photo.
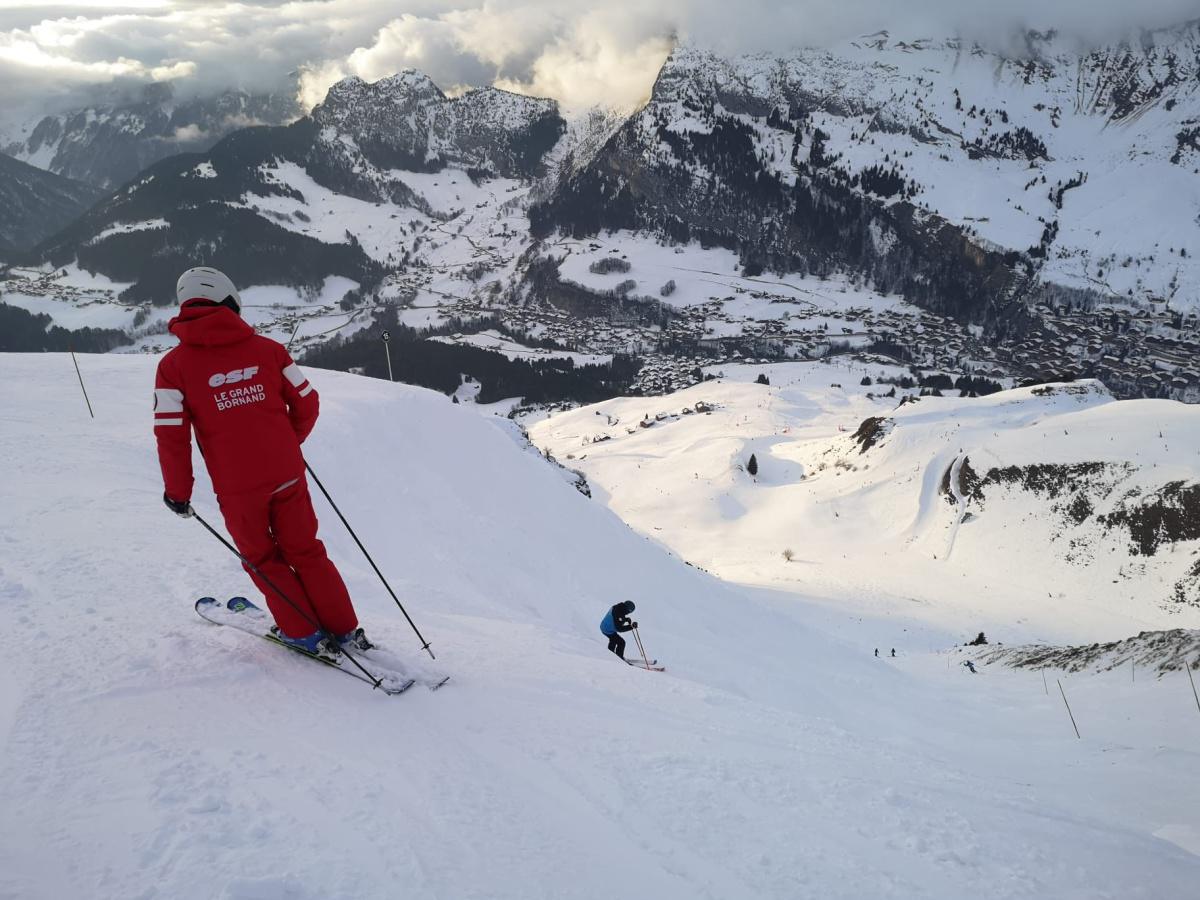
(158, 422)
(168, 400)
(307, 390)
(293, 374)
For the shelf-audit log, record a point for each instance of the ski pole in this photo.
(1187, 668)
(424, 643)
(81, 387)
(386, 338)
(638, 638)
(293, 337)
(286, 599)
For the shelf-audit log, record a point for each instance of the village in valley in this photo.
(1136, 351)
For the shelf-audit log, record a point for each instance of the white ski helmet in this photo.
(208, 284)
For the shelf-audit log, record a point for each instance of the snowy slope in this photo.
(988, 140)
(988, 513)
(144, 753)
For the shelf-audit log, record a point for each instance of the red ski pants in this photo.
(277, 532)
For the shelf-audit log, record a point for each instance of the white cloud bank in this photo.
(579, 53)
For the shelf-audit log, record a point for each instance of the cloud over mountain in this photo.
(577, 52)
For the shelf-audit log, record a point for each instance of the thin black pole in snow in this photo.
(1045, 686)
(286, 599)
(424, 643)
(1193, 681)
(1069, 713)
(81, 387)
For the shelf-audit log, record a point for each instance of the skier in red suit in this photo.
(251, 408)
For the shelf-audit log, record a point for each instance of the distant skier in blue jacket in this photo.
(617, 620)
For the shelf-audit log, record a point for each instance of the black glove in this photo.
(634, 625)
(180, 507)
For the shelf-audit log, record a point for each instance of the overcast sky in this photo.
(581, 53)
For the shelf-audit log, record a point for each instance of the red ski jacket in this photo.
(249, 402)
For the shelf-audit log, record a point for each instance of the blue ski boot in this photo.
(316, 644)
(355, 640)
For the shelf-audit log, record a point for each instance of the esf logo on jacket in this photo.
(238, 396)
(233, 377)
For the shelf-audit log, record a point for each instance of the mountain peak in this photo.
(405, 121)
(411, 81)
(408, 86)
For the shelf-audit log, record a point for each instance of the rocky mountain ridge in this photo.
(110, 141)
(406, 122)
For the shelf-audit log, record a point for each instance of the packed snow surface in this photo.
(145, 753)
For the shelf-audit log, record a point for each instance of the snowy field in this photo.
(74, 312)
(146, 754)
(454, 223)
(506, 346)
(330, 217)
(706, 274)
(72, 297)
(871, 531)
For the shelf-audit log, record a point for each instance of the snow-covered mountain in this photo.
(346, 193)
(36, 203)
(145, 752)
(960, 176)
(109, 142)
(1031, 212)
(1048, 513)
(406, 122)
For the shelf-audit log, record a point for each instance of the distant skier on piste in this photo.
(251, 408)
(617, 620)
